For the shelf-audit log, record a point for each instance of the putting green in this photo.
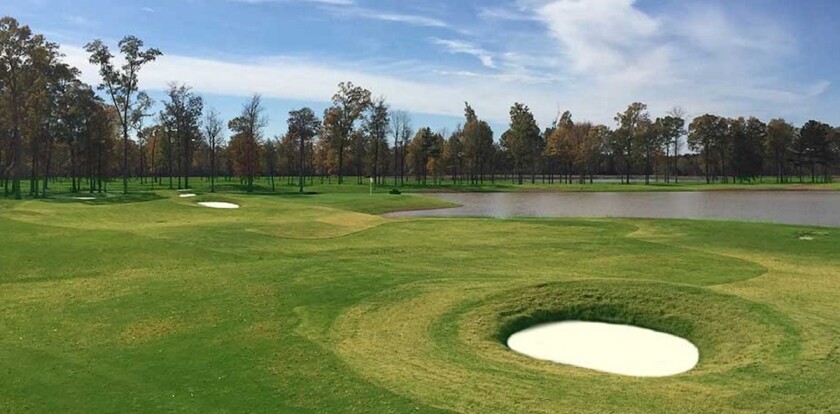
(317, 304)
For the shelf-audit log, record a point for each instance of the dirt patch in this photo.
(148, 330)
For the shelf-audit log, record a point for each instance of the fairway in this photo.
(152, 303)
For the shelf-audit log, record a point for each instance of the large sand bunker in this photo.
(617, 349)
(216, 204)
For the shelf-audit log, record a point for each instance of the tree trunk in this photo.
(627, 168)
(169, 158)
(302, 162)
(187, 162)
(213, 167)
(16, 164)
(676, 161)
(180, 159)
(396, 160)
(340, 164)
(376, 163)
(154, 171)
(99, 170)
(125, 157)
(33, 156)
(47, 163)
(73, 188)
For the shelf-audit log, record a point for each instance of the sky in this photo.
(764, 58)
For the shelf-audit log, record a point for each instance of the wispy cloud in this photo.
(299, 78)
(350, 9)
(462, 47)
(333, 2)
(79, 21)
(605, 35)
(386, 16)
(327, 2)
(505, 13)
(698, 56)
(593, 61)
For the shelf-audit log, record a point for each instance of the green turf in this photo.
(149, 303)
(60, 188)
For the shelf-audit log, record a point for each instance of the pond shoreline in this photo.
(619, 188)
(813, 208)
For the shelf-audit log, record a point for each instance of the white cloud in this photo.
(600, 35)
(349, 9)
(505, 13)
(711, 29)
(79, 21)
(592, 60)
(291, 78)
(327, 2)
(458, 46)
(333, 2)
(701, 57)
(371, 14)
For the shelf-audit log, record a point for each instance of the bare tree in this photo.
(122, 84)
(376, 127)
(245, 143)
(303, 126)
(401, 130)
(213, 129)
(678, 113)
(349, 103)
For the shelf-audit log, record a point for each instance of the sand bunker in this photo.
(214, 204)
(85, 198)
(617, 349)
(187, 195)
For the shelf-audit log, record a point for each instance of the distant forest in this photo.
(52, 126)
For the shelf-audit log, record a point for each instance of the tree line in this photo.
(54, 126)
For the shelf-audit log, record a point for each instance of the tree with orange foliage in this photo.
(245, 144)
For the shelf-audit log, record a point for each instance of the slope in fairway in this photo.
(318, 304)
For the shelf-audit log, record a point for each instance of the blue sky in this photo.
(768, 58)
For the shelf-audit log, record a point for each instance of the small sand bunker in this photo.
(187, 195)
(183, 190)
(616, 349)
(216, 204)
(85, 198)
(813, 235)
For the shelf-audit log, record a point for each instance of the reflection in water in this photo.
(788, 207)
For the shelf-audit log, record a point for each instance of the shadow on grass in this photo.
(102, 199)
(258, 189)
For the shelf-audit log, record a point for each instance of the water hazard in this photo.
(787, 207)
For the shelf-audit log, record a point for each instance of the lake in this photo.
(787, 207)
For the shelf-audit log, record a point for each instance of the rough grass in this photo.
(316, 304)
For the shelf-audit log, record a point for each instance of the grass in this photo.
(315, 303)
(60, 188)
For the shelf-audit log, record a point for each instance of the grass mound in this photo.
(710, 320)
(318, 304)
(454, 354)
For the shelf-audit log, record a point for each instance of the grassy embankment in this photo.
(316, 304)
